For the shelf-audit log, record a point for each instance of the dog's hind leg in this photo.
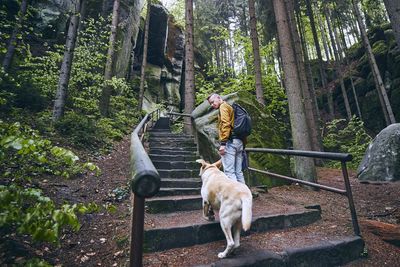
(237, 228)
(226, 228)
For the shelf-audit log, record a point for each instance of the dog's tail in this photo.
(247, 203)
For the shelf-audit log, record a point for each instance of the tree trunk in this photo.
(13, 41)
(386, 107)
(328, 90)
(338, 65)
(309, 76)
(144, 60)
(309, 104)
(256, 53)
(65, 72)
(393, 9)
(316, 43)
(355, 98)
(189, 66)
(106, 92)
(304, 167)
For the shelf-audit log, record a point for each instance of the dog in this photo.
(233, 200)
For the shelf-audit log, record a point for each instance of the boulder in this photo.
(381, 161)
(266, 133)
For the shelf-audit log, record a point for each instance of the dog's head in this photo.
(205, 165)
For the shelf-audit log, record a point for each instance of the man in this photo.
(231, 147)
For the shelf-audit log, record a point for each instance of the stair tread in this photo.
(280, 246)
(178, 188)
(275, 206)
(155, 198)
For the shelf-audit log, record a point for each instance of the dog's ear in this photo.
(218, 164)
(201, 161)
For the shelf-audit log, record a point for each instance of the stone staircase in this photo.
(173, 216)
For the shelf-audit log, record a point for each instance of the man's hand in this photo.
(221, 150)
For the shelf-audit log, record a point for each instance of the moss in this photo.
(379, 48)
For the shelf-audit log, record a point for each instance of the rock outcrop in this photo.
(381, 161)
(266, 133)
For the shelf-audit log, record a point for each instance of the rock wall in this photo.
(164, 61)
(165, 51)
(387, 55)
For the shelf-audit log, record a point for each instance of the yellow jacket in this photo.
(225, 122)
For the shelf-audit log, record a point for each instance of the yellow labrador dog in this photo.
(233, 200)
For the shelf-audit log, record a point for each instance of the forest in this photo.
(77, 76)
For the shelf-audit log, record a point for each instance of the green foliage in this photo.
(24, 156)
(177, 127)
(27, 211)
(216, 81)
(346, 137)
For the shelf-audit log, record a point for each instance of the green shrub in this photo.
(25, 156)
(347, 137)
(81, 130)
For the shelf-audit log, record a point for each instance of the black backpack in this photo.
(242, 123)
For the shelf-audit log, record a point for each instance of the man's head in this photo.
(215, 100)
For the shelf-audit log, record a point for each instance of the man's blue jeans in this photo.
(232, 160)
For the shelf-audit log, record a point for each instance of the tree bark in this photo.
(144, 60)
(386, 107)
(309, 104)
(355, 97)
(106, 92)
(189, 66)
(66, 65)
(304, 167)
(256, 53)
(13, 41)
(393, 9)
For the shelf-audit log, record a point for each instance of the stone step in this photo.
(205, 232)
(170, 152)
(336, 251)
(166, 134)
(175, 148)
(170, 204)
(181, 182)
(177, 191)
(156, 130)
(176, 164)
(178, 173)
(172, 144)
(162, 124)
(165, 157)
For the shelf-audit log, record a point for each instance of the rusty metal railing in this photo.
(145, 182)
(342, 157)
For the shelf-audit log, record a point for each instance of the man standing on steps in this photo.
(231, 147)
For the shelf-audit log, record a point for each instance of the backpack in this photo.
(242, 123)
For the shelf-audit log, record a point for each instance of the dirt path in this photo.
(104, 237)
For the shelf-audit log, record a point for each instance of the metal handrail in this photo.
(145, 182)
(342, 157)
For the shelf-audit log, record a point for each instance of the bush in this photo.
(346, 137)
(24, 156)
(81, 130)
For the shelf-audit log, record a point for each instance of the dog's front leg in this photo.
(208, 212)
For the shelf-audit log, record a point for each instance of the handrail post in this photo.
(137, 232)
(350, 199)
